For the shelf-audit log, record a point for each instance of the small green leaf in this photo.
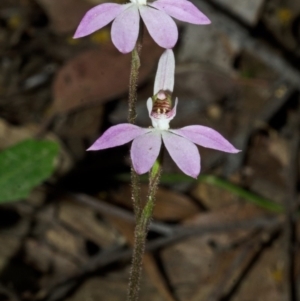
(247, 195)
(24, 166)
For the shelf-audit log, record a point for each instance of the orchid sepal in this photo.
(156, 17)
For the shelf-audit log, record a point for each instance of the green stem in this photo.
(141, 231)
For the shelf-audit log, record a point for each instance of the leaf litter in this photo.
(204, 243)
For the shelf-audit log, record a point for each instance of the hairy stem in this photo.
(134, 73)
(141, 231)
(136, 194)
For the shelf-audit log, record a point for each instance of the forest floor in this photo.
(231, 235)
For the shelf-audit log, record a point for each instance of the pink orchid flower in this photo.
(156, 16)
(147, 142)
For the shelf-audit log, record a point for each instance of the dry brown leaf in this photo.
(278, 147)
(217, 47)
(84, 220)
(280, 19)
(66, 242)
(212, 197)
(113, 287)
(196, 266)
(81, 124)
(268, 277)
(267, 172)
(99, 75)
(248, 10)
(10, 134)
(169, 205)
(10, 244)
(46, 259)
(235, 212)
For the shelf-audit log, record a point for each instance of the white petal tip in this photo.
(234, 151)
(124, 51)
(139, 171)
(80, 33)
(206, 22)
(77, 35)
(192, 175)
(203, 22)
(93, 148)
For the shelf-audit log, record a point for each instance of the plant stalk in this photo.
(132, 99)
(141, 231)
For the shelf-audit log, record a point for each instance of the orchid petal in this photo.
(206, 137)
(118, 135)
(184, 153)
(98, 17)
(164, 79)
(145, 150)
(161, 27)
(125, 29)
(182, 10)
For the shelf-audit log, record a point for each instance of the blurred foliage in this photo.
(24, 166)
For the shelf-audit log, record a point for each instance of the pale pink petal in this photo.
(118, 135)
(125, 29)
(184, 153)
(182, 10)
(161, 27)
(145, 150)
(164, 79)
(98, 17)
(206, 137)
